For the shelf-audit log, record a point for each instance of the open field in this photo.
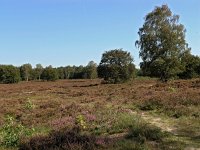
(140, 114)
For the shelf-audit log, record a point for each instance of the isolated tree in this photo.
(38, 70)
(25, 71)
(162, 44)
(49, 74)
(9, 74)
(116, 66)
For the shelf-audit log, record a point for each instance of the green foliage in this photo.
(116, 66)
(128, 145)
(152, 104)
(123, 121)
(80, 121)
(38, 71)
(110, 121)
(9, 74)
(77, 72)
(192, 65)
(162, 44)
(142, 132)
(25, 71)
(12, 132)
(49, 74)
(69, 72)
(29, 105)
(90, 71)
(172, 89)
(61, 72)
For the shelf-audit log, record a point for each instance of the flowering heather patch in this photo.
(90, 117)
(100, 142)
(62, 123)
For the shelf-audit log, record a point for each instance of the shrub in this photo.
(63, 139)
(150, 104)
(122, 122)
(142, 132)
(80, 121)
(29, 105)
(12, 132)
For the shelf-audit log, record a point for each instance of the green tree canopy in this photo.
(90, 71)
(9, 74)
(61, 72)
(49, 74)
(192, 66)
(162, 44)
(116, 66)
(26, 71)
(38, 71)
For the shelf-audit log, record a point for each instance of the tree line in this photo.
(13, 74)
(162, 47)
(116, 66)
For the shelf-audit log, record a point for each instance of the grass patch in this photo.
(128, 145)
(142, 132)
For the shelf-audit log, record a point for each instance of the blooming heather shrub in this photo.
(100, 142)
(61, 123)
(88, 116)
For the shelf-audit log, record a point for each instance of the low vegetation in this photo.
(89, 114)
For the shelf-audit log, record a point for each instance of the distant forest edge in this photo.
(116, 66)
(162, 47)
(12, 74)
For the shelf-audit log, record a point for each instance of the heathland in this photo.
(87, 114)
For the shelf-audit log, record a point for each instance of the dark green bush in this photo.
(151, 104)
(143, 132)
(9, 74)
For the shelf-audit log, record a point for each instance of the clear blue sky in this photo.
(73, 32)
